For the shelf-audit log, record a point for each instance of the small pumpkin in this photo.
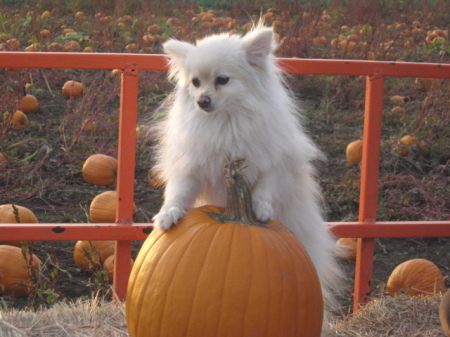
(154, 179)
(32, 47)
(416, 277)
(68, 31)
(10, 213)
(45, 15)
(444, 313)
(346, 249)
(72, 89)
(405, 143)
(72, 46)
(16, 272)
(44, 33)
(18, 119)
(220, 273)
(103, 207)
(353, 152)
(29, 104)
(398, 99)
(109, 266)
(90, 255)
(89, 125)
(100, 169)
(115, 72)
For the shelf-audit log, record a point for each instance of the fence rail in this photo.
(124, 231)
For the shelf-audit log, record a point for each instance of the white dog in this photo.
(231, 99)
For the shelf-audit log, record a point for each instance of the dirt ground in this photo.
(62, 196)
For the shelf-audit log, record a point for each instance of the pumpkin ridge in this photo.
(149, 245)
(260, 268)
(132, 280)
(277, 267)
(219, 318)
(172, 245)
(193, 233)
(205, 263)
(284, 249)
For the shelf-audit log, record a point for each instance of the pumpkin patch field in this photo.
(58, 127)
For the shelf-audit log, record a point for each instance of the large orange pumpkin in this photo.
(416, 277)
(16, 272)
(224, 274)
(18, 215)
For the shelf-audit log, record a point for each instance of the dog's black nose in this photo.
(204, 102)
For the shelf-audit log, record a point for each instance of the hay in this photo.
(93, 317)
(401, 316)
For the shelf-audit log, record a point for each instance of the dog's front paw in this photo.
(166, 218)
(263, 210)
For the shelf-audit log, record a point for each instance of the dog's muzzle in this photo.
(204, 102)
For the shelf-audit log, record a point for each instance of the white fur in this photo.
(252, 116)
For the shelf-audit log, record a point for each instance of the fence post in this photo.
(369, 186)
(125, 175)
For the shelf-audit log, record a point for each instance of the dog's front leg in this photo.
(179, 194)
(263, 195)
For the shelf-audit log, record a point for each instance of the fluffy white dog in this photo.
(230, 99)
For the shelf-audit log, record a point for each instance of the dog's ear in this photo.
(258, 44)
(177, 50)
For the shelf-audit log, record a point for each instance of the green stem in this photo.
(239, 199)
(46, 82)
(19, 143)
(29, 157)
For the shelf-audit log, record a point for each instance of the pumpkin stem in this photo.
(239, 199)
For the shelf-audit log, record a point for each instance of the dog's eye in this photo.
(222, 80)
(196, 82)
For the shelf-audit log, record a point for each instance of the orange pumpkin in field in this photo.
(18, 119)
(103, 208)
(10, 213)
(90, 255)
(29, 104)
(109, 266)
(154, 179)
(416, 277)
(15, 271)
(72, 89)
(220, 273)
(353, 152)
(346, 249)
(405, 143)
(100, 169)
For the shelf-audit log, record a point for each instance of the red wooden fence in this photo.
(366, 229)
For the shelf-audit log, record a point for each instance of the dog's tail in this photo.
(303, 216)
